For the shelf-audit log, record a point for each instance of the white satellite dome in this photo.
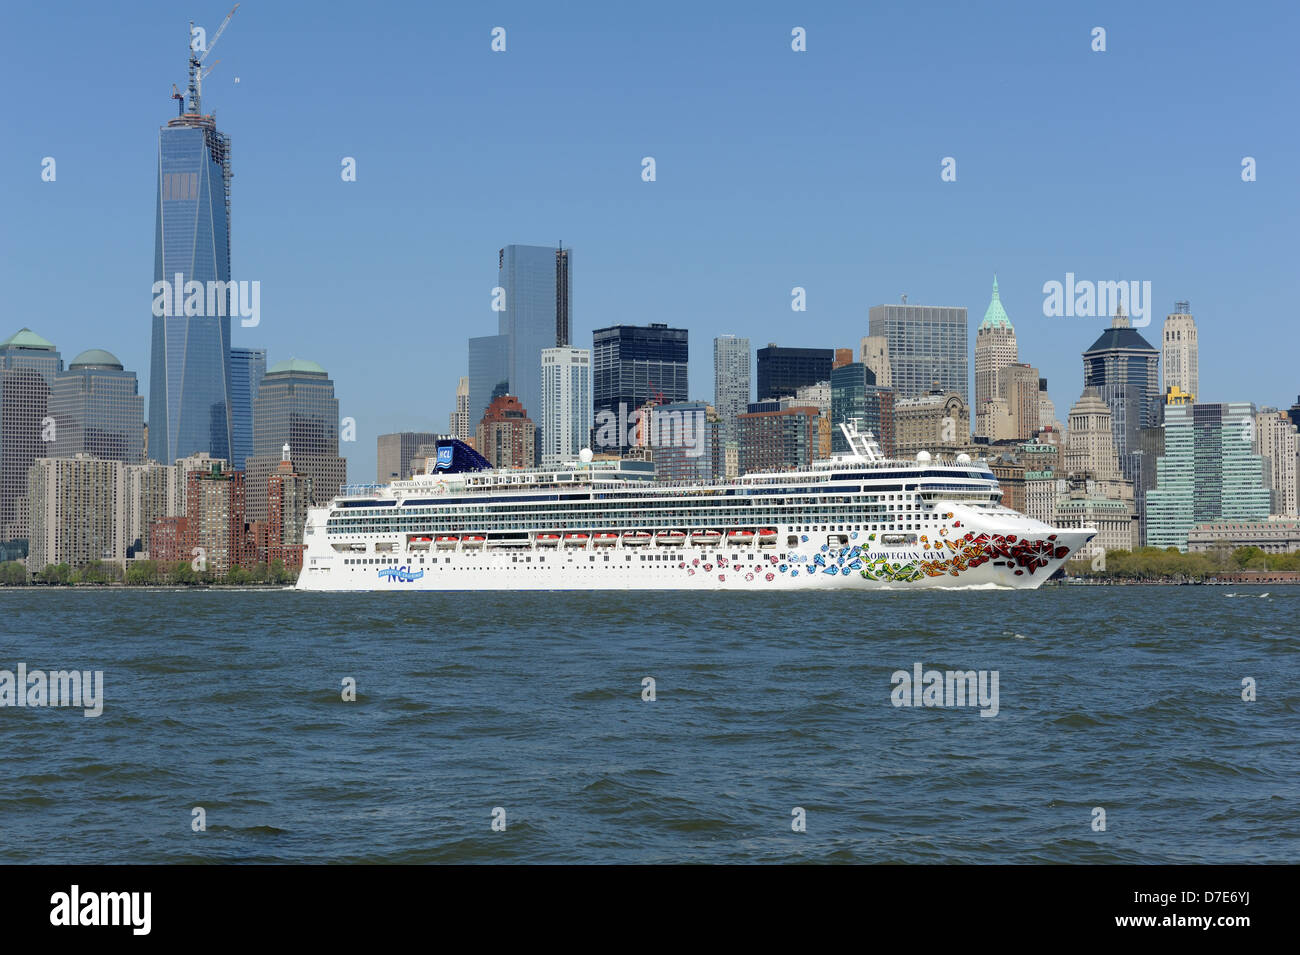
(585, 455)
(963, 458)
(923, 457)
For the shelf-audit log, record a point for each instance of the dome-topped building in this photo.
(97, 409)
(96, 358)
(995, 349)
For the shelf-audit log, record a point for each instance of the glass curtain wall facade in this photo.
(636, 364)
(247, 368)
(783, 371)
(189, 382)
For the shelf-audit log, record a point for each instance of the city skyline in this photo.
(326, 286)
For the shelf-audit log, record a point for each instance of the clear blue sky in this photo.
(775, 169)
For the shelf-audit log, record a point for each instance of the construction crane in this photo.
(180, 100)
(196, 71)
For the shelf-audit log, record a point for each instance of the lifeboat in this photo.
(605, 540)
(419, 543)
(636, 538)
(670, 538)
(548, 540)
(576, 540)
(705, 537)
(740, 537)
(447, 540)
(473, 540)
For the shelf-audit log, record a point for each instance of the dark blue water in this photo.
(1124, 698)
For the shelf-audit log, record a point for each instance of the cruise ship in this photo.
(855, 520)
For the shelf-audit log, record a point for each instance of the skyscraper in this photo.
(489, 373)
(247, 366)
(1180, 352)
(1279, 444)
(784, 440)
(855, 396)
(189, 380)
(566, 403)
(1046, 407)
(215, 519)
(633, 365)
(506, 434)
(1124, 369)
(926, 344)
(296, 406)
(288, 497)
(394, 452)
(535, 312)
(995, 349)
(459, 425)
(731, 392)
(783, 371)
(28, 365)
(1018, 384)
(684, 439)
(1210, 472)
(875, 355)
(97, 409)
(78, 511)
(1090, 448)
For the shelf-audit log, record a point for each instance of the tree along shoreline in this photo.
(1171, 566)
(144, 573)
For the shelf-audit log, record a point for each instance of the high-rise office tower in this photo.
(1090, 448)
(783, 371)
(1018, 385)
(731, 391)
(489, 373)
(1180, 365)
(189, 380)
(926, 344)
(1046, 407)
(938, 422)
(855, 396)
(1279, 444)
(247, 367)
(566, 403)
(632, 365)
(535, 304)
(1125, 370)
(28, 366)
(394, 453)
(995, 349)
(97, 409)
(296, 406)
(875, 355)
(459, 425)
(1210, 471)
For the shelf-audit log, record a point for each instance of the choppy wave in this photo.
(1128, 699)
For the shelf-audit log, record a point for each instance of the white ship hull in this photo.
(861, 565)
